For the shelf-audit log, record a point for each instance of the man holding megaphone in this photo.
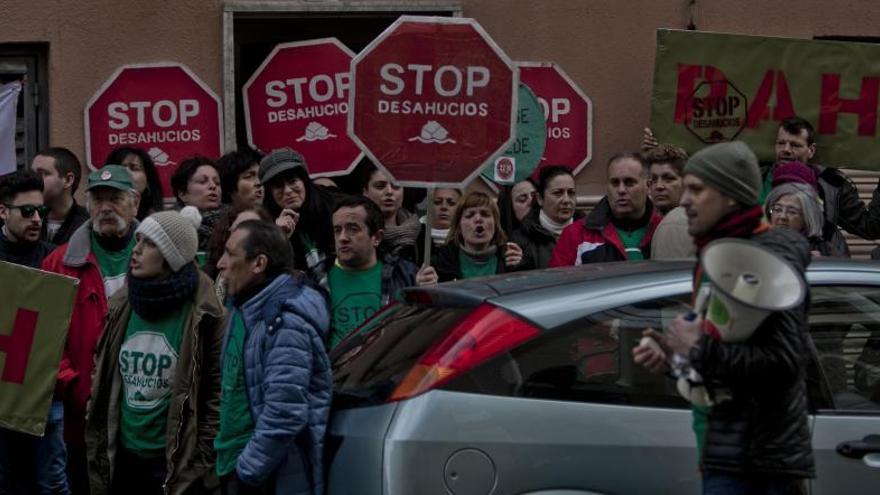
(747, 344)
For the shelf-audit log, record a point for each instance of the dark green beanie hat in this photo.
(731, 168)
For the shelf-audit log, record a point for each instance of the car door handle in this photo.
(872, 460)
(856, 449)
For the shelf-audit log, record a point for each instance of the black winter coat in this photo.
(76, 216)
(763, 429)
(24, 254)
(536, 242)
(448, 267)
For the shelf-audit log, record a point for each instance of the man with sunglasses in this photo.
(29, 464)
(23, 213)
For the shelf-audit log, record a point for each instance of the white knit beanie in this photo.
(174, 233)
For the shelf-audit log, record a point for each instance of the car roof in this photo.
(553, 296)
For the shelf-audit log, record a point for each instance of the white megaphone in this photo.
(746, 282)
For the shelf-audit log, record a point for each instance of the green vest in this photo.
(354, 297)
(236, 423)
(147, 364)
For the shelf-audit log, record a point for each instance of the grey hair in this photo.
(809, 200)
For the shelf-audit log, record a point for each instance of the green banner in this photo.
(711, 87)
(524, 154)
(34, 318)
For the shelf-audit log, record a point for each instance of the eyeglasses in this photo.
(27, 211)
(788, 211)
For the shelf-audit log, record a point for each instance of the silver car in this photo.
(524, 384)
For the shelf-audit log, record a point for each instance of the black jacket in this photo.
(24, 254)
(536, 242)
(446, 263)
(419, 247)
(75, 217)
(763, 429)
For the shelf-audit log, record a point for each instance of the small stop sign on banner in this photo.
(163, 108)
(298, 98)
(434, 100)
(568, 111)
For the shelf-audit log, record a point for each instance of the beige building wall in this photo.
(605, 46)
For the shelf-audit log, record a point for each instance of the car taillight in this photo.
(483, 334)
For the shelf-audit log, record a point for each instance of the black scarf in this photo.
(629, 225)
(153, 299)
(246, 295)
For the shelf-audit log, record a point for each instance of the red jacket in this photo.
(595, 239)
(76, 259)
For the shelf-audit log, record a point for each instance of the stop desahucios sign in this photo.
(569, 115)
(163, 108)
(298, 98)
(433, 100)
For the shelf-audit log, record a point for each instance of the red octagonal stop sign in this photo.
(433, 100)
(298, 98)
(163, 108)
(568, 112)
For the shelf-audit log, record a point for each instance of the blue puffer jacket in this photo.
(287, 375)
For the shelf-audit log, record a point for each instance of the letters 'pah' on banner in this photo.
(711, 87)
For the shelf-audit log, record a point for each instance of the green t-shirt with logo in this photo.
(471, 268)
(147, 364)
(354, 297)
(632, 241)
(236, 423)
(113, 264)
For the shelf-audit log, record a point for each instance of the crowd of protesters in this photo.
(197, 355)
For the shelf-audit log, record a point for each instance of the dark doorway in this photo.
(255, 34)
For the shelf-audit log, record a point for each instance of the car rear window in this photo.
(367, 367)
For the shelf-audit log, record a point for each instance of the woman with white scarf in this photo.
(555, 210)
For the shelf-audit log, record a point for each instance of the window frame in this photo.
(29, 60)
(828, 396)
(595, 317)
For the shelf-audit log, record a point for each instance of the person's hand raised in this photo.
(287, 221)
